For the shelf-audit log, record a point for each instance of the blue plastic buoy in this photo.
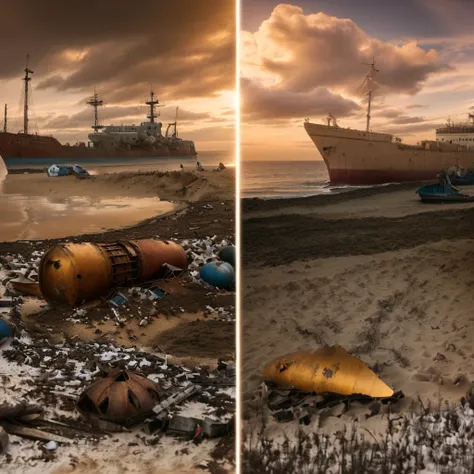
(227, 254)
(5, 330)
(220, 274)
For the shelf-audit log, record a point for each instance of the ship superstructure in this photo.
(461, 133)
(365, 157)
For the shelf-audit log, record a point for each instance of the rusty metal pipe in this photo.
(75, 273)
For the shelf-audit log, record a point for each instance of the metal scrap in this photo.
(122, 397)
(24, 285)
(326, 370)
(188, 425)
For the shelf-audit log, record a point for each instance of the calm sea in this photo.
(284, 179)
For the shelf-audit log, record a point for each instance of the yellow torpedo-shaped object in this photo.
(329, 369)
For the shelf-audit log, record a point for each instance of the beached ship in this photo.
(361, 157)
(122, 143)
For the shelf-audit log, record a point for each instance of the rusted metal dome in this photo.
(122, 397)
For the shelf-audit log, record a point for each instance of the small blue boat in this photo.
(444, 191)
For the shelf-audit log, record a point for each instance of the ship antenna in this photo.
(369, 80)
(27, 79)
(96, 103)
(176, 123)
(5, 119)
(153, 103)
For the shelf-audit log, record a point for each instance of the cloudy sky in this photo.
(183, 49)
(306, 60)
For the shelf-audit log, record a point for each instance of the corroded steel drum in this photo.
(153, 254)
(75, 273)
(329, 369)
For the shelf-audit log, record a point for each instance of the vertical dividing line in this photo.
(237, 235)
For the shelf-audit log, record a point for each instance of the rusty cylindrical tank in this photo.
(75, 273)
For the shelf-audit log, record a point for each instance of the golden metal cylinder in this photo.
(329, 369)
(75, 273)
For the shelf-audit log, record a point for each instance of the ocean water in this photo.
(284, 179)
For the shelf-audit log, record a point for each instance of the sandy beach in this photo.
(185, 332)
(375, 271)
(35, 206)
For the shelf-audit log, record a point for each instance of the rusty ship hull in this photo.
(27, 149)
(358, 157)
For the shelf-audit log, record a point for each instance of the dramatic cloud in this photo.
(183, 48)
(260, 103)
(317, 50)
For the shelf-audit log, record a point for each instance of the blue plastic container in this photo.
(220, 274)
(227, 254)
(5, 330)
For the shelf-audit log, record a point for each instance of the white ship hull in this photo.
(357, 157)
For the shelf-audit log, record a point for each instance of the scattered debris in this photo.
(5, 330)
(227, 254)
(220, 275)
(3, 440)
(185, 425)
(118, 299)
(55, 374)
(120, 396)
(26, 286)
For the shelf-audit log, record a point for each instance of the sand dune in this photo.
(170, 185)
(396, 310)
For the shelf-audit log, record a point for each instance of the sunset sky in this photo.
(184, 49)
(305, 60)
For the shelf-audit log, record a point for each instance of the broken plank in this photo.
(33, 433)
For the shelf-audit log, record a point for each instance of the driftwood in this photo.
(3, 440)
(18, 411)
(32, 433)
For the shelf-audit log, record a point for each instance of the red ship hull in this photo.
(369, 177)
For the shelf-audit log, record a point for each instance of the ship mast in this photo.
(153, 103)
(471, 114)
(369, 79)
(96, 103)
(176, 123)
(27, 79)
(5, 119)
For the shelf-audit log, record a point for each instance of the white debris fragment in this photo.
(51, 446)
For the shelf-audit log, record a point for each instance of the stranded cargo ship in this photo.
(125, 142)
(360, 157)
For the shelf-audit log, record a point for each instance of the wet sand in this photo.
(382, 275)
(35, 206)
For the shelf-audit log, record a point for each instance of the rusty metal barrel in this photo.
(75, 273)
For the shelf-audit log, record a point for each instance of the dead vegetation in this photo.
(427, 439)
